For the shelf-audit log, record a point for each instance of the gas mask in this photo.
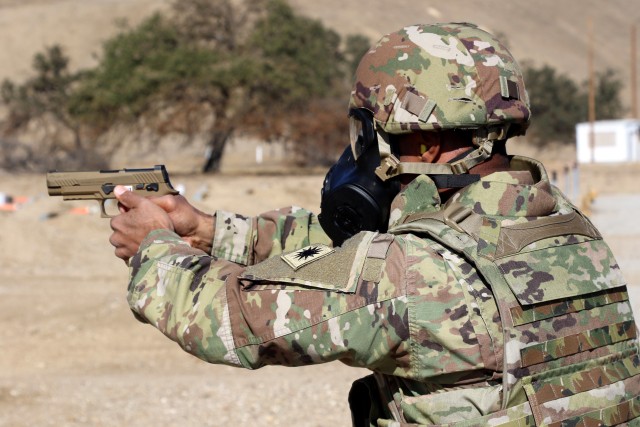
(354, 198)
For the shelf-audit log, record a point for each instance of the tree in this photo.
(46, 95)
(320, 132)
(213, 68)
(555, 104)
(558, 103)
(219, 24)
(156, 72)
(222, 26)
(300, 58)
(608, 89)
(356, 46)
(249, 66)
(137, 65)
(300, 79)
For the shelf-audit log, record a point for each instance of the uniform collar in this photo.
(524, 190)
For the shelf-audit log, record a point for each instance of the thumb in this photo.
(126, 197)
(168, 203)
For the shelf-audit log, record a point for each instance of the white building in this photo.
(614, 141)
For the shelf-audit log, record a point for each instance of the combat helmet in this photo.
(436, 77)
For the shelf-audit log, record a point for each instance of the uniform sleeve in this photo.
(200, 302)
(249, 240)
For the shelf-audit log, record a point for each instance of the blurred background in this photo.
(245, 103)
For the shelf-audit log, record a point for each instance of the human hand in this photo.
(194, 226)
(138, 217)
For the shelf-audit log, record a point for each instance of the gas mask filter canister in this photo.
(353, 197)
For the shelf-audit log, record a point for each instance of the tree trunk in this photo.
(215, 149)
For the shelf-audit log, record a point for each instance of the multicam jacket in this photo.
(502, 306)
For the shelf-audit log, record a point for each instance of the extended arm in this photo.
(249, 240)
(243, 240)
(198, 300)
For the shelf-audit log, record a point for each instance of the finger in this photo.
(115, 240)
(122, 248)
(115, 223)
(126, 197)
(123, 254)
(168, 203)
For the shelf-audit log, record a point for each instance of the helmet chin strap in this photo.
(391, 167)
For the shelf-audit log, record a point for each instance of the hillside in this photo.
(544, 31)
(27, 26)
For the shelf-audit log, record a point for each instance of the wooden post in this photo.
(592, 91)
(634, 73)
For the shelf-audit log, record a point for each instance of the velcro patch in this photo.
(306, 255)
(418, 106)
(509, 88)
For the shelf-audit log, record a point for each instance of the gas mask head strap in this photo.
(391, 167)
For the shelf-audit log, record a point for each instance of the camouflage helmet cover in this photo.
(441, 76)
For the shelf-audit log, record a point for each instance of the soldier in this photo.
(475, 292)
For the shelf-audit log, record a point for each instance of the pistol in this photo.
(99, 185)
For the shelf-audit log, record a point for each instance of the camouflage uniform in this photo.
(502, 306)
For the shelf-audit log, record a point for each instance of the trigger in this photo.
(103, 210)
(109, 208)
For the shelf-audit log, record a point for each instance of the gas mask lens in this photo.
(361, 133)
